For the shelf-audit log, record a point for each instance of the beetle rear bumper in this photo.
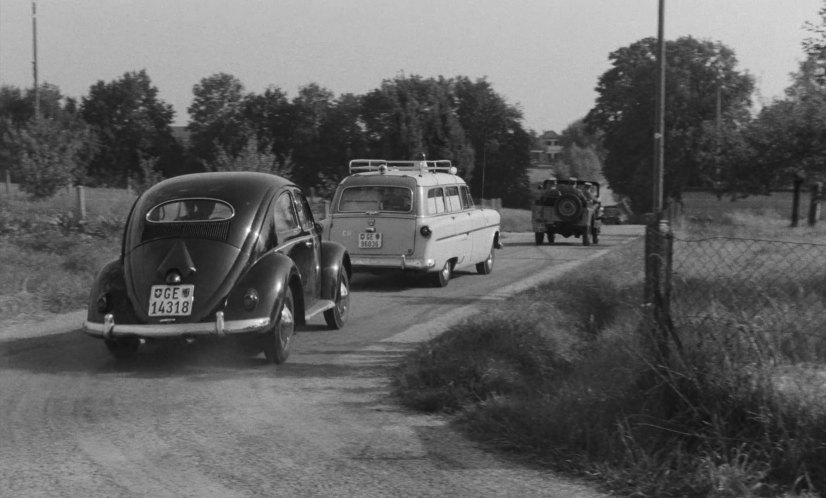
(109, 329)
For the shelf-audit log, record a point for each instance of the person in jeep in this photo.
(568, 208)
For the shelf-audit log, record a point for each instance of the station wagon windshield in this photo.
(373, 198)
(190, 210)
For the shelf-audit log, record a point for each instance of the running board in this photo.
(318, 307)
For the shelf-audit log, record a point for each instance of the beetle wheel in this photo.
(442, 277)
(486, 266)
(278, 339)
(337, 315)
(123, 349)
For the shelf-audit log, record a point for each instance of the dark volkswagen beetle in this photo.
(219, 254)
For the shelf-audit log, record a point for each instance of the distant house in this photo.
(546, 149)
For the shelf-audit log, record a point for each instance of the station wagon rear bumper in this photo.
(109, 329)
(393, 262)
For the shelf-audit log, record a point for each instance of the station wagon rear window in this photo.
(374, 198)
(190, 210)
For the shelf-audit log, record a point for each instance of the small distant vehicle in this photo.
(614, 215)
(570, 208)
(414, 216)
(231, 254)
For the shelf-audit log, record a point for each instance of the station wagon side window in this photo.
(454, 202)
(286, 221)
(467, 200)
(305, 214)
(435, 201)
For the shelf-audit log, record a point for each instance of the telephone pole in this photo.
(34, 61)
(659, 116)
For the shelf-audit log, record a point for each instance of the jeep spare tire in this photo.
(568, 207)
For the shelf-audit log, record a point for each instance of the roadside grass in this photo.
(569, 375)
(50, 257)
(515, 220)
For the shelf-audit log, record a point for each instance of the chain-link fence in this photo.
(766, 296)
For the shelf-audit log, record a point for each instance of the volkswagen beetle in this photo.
(229, 254)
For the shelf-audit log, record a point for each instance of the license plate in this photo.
(369, 240)
(171, 300)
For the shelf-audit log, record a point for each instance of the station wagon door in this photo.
(463, 225)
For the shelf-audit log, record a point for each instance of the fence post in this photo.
(658, 261)
(798, 182)
(814, 203)
(80, 210)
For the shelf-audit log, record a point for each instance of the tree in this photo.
(697, 74)
(501, 146)
(48, 155)
(216, 117)
(251, 158)
(132, 124)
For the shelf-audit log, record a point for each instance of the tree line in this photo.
(121, 133)
(715, 137)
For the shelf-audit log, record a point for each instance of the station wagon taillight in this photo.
(425, 231)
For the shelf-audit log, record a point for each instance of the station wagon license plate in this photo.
(369, 240)
(171, 300)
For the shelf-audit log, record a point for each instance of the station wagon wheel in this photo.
(337, 315)
(278, 339)
(442, 277)
(486, 266)
(538, 236)
(123, 349)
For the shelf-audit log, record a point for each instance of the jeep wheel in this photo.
(538, 236)
(568, 207)
(595, 234)
(586, 236)
(551, 237)
(442, 277)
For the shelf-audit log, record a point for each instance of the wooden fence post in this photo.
(814, 203)
(80, 205)
(798, 182)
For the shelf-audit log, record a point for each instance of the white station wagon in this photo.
(412, 216)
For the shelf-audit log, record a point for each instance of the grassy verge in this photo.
(50, 258)
(570, 376)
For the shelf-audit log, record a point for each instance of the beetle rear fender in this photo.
(110, 284)
(333, 257)
(269, 276)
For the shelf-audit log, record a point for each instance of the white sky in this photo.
(544, 56)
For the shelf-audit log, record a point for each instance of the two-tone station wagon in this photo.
(234, 254)
(413, 216)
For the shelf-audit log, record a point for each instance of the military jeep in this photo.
(568, 208)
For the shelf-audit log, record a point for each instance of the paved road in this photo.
(208, 421)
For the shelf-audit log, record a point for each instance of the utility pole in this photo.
(34, 61)
(659, 116)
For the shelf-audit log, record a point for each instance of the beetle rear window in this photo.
(190, 210)
(373, 198)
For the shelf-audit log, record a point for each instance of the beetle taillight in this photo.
(102, 303)
(250, 299)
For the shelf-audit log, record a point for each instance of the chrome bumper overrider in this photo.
(400, 262)
(109, 329)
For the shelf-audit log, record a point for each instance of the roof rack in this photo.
(365, 165)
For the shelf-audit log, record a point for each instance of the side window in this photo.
(266, 239)
(286, 222)
(467, 200)
(305, 214)
(453, 201)
(435, 201)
